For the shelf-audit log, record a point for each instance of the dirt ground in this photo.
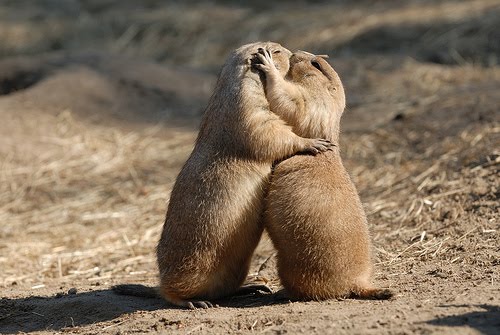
(100, 103)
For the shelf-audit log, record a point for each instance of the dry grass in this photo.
(91, 208)
(427, 209)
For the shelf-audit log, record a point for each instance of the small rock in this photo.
(72, 290)
(438, 273)
(480, 187)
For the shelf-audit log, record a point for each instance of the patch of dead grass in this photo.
(91, 208)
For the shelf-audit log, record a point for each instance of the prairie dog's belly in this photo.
(212, 207)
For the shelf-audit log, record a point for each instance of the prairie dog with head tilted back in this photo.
(213, 220)
(314, 215)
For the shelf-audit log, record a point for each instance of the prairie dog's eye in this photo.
(316, 65)
(276, 51)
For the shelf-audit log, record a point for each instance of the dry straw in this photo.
(89, 209)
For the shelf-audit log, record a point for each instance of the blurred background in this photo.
(100, 102)
(364, 38)
(199, 34)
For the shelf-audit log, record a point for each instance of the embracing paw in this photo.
(319, 145)
(264, 61)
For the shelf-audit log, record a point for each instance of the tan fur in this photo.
(314, 215)
(213, 221)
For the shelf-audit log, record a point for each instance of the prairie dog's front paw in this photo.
(317, 145)
(266, 64)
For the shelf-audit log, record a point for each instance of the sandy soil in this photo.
(100, 102)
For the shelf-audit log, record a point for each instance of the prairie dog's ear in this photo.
(307, 53)
(310, 54)
(332, 89)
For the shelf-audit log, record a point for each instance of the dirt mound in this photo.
(103, 87)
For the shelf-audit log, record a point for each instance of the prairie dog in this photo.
(314, 215)
(213, 220)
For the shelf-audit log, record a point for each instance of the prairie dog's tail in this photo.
(137, 290)
(372, 293)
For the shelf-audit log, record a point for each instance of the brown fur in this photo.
(213, 219)
(314, 215)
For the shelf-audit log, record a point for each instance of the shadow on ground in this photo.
(486, 321)
(72, 310)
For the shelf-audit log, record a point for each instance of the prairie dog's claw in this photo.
(199, 304)
(267, 64)
(319, 145)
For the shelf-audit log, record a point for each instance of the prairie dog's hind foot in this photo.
(186, 302)
(198, 304)
(142, 291)
(191, 304)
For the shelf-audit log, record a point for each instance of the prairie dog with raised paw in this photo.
(213, 221)
(313, 212)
